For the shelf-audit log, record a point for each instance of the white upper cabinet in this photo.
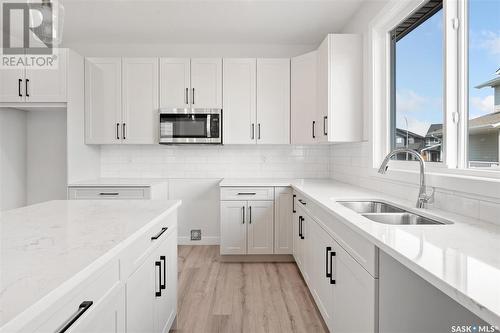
(103, 102)
(35, 84)
(306, 127)
(175, 83)
(340, 88)
(273, 101)
(121, 100)
(240, 111)
(206, 83)
(140, 100)
(11, 85)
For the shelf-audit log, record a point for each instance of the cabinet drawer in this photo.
(108, 193)
(362, 250)
(141, 248)
(98, 290)
(247, 193)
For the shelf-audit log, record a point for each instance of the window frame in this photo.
(455, 97)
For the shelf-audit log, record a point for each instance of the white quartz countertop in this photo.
(45, 245)
(461, 259)
(118, 182)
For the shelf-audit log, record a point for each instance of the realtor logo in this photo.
(31, 23)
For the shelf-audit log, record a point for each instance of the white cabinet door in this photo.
(166, 304)
(175, 83)
(48, 85)
(233, 227)
(141, 288)
(304, 124)
(322, 88)
(305, 248)
(140, 100)
(103, 100)
(12, 85)
(260, 227)
(353, 295)
(239, 91)
(273, 101)
(321, 284)
(206, 83)
(283, 221)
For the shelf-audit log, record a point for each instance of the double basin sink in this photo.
(383, 212)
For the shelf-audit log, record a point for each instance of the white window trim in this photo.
(454, 167)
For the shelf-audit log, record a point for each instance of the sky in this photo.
(419, 67)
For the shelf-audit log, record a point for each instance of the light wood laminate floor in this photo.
(216, 296)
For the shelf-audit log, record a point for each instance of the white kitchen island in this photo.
(89, 266)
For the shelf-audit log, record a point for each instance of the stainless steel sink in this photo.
(403, 219)
(371, 207)
(383, 212)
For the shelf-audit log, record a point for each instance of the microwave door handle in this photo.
(208, 126)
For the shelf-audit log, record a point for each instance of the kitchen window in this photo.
(417, 83)
(444, 85)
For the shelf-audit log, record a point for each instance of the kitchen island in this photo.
(66, 263)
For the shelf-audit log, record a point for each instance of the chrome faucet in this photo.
(423, 198)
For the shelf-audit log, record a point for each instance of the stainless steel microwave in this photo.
(191, 126)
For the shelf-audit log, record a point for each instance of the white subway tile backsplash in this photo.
(282, 161)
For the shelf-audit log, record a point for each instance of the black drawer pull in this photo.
(158, 293)
(19, 88)
(84, 306)
(243, 214)
(247, 193)
(158, 235)
(26, 87)
(293, 203)
(164, 284)
(301, 219)
(302, 202)
(109, 193)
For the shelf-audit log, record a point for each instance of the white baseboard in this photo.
(210, 240)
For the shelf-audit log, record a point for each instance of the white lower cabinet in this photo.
(152, 290)
(247, 227)
(283, 215)
(344, 291)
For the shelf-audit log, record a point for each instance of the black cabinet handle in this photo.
(252, 131)
(302, 202)
(293, 203)
(158, 293)
(109, 193)
(26, 86)
(325, 126)
(247, 193)
(117, 131)
(123, 131)
(84, 306)
(164, 284)
(187, 98)
(327, 257)
(19, 87)
(300, 227)
(158, 235)
(243, 215)
(332, 254)
(250, 214)
(313, 126)
(258, 131)
(192, 97)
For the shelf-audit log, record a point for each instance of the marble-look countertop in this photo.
(118, 182)
(461, 259)
(44, 245)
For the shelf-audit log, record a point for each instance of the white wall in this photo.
(352, 162)
(12, 158)
(46, 155)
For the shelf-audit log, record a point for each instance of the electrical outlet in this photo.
(196, 234)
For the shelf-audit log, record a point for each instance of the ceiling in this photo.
(208, 21)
